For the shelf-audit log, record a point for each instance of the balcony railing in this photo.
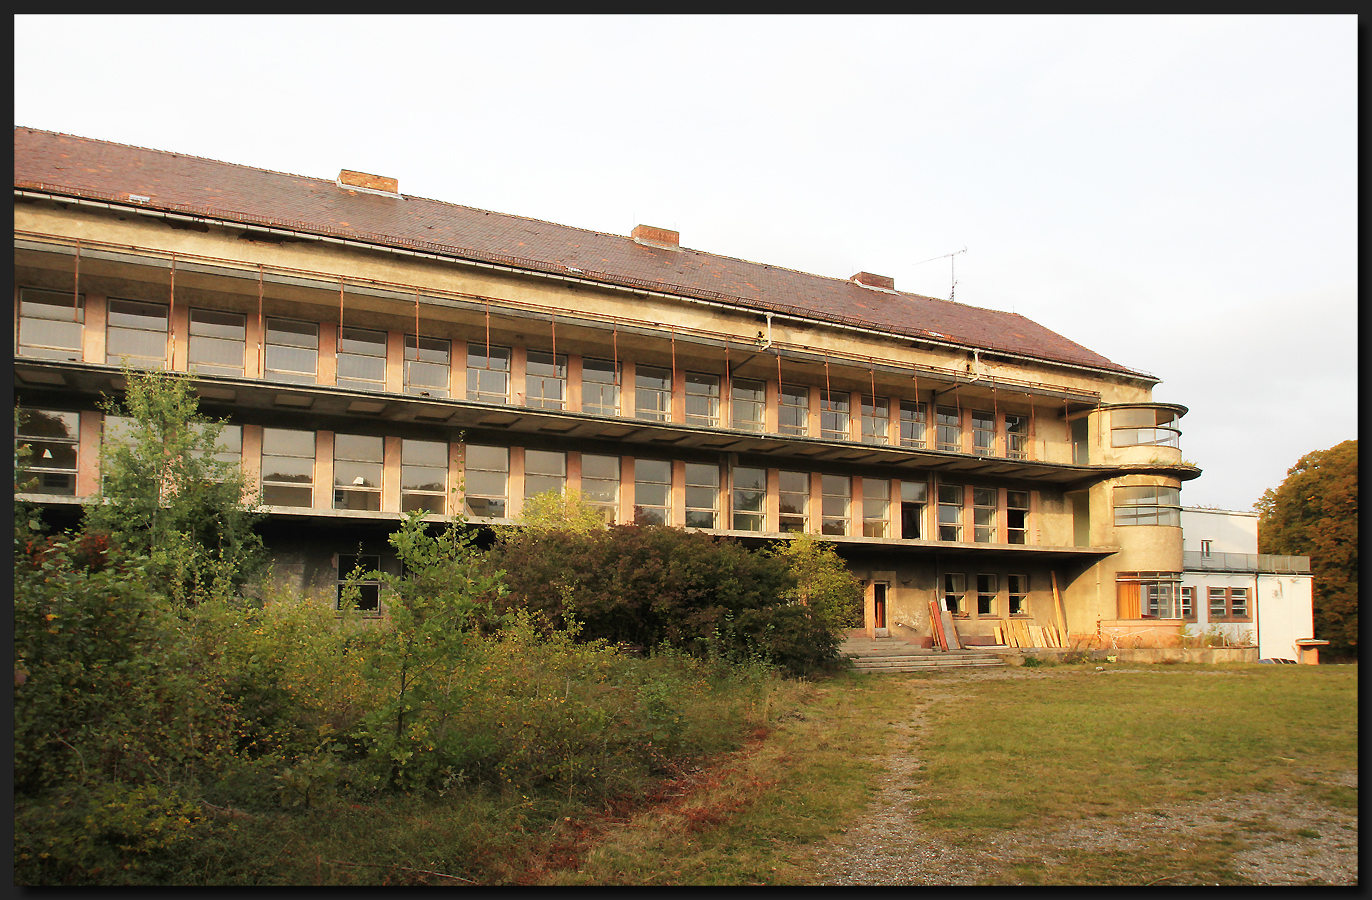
(1194, 560)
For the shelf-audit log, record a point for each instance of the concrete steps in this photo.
(891, 655)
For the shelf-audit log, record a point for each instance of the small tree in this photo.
(565, 512)
(432, 609)
(823, 582)
(163, 494)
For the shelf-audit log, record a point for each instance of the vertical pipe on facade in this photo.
(76, 279)
(488, 335)
(261, 334)
(171, 314)
(615, 339)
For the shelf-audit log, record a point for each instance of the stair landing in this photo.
(895, 655)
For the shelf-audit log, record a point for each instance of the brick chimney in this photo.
(378, 184)
(876, 281)
(656, 237)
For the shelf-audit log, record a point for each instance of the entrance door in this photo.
(879, 607)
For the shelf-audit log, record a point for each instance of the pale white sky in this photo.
(1176, 193)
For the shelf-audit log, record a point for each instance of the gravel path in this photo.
(887, 846)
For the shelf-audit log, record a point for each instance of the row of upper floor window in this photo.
(51, 326)
(287, 462)
(312, 470)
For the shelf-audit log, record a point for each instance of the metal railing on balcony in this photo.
(1194, 560)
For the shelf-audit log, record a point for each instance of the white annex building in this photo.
(1250, 596)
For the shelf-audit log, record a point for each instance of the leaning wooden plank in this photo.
(1059, 608)
(936, 625)
(1000, 635)
(950, 631)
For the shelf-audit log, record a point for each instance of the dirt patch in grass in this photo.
(1274, 838)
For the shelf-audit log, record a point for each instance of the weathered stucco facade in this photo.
(377, 352)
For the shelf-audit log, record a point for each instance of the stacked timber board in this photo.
(1019, 633)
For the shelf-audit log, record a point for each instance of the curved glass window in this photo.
(1144, 426)
(1148, 505)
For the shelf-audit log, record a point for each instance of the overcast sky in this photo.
(1176, 193)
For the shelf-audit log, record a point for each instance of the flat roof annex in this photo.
(55, 163)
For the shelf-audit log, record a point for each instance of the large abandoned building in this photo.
(378, 353)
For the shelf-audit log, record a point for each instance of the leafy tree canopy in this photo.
(165, 495)
(1314, 513)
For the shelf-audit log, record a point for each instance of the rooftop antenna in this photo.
(952, 262)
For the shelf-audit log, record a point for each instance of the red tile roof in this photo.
(63, 164)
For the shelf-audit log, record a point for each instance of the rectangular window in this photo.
(914, 497)
(1144, 426)
(949, 512)
(833, 415)
(948, 425)
(423, 476)
(486, 474)
(228, 447)
(1147, 505)
(287, 467)
(53, 439)
(1207, 548)
(488, 373)
(545, 380)
(702, 399)
(984, 515)
(1188, 603)
(988, 586)
(600, 484)
(136, 331)
(954, 591)
(702, 495)
(750, 498)
(983, 433)
(652, 492)
(748, 408)
(545, 472)
(1017, 586)
(876, 420)
(794, 502)
(876, 507)
(599, 387)
(361, 359)
(837, 495)
(1227, 603)
(912, 422)
(357, 463)
(217, 342)
(369, 590)
(1017, 437)
(653, 393)
(793, 410)
(292, 351)
(1016, 517)
(51, 324)
(428, 366)
(1148, 594)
